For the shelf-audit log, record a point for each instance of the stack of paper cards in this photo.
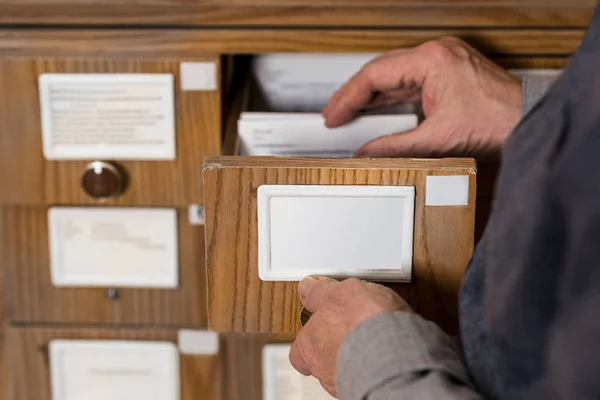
(282, 382)
(292, 90)
(305, 135)
(304, 82)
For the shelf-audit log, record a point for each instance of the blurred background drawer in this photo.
(176, 297)
(258, 368)
(47, 359)
(185, 109)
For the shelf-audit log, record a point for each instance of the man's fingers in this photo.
(314, 290)
(422, 141)
(297, 358)
(405, 70)
(389, 99)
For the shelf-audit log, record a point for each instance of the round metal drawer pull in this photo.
(102, 180)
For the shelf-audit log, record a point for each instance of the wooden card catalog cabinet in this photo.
(92, 364)
(109, 265)
(112, 130)
(271, 221)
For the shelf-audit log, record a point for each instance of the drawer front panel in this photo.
(30, 178)
(32, 297)
(239, 301)
(29, 349)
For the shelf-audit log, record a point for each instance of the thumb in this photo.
(423, 141)
(314, 290)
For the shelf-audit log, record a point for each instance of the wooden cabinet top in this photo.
(160, 43)
(305, 13)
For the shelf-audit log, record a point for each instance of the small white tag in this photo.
(108, 116)
(447, 190)
(198, 342)
(198, 76)
(282, 382)
(196, 214)
(113, 247)
(115, 370)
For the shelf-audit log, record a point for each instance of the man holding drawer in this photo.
(530, 301)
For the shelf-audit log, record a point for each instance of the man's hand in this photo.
(337, 307)
(471, 105)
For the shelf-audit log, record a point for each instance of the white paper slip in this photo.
(282, 382)
(115, 370)
(113, 247)
(542, 72)
(108, 116)
(308, 136)
(447, 190)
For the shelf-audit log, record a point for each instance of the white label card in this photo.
(115, 370)
(198, 76)
(198, 342)
(447, 190)
(282, 382)
(113, 247)
(336, 231)
(108, 116)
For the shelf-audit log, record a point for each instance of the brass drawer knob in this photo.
(102, 180)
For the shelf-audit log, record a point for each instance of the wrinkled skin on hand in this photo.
(471, 105)
(337, 308)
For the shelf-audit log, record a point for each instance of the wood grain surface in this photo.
(315, 13)
(28, 178)
(30, 373)
(239, 301)
(30, 297)
(130, 43)
(3, 324)
(243, 364)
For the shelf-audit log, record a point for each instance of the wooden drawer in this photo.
(31, 296)
(32, 361)
(238, 300)
(30, 178)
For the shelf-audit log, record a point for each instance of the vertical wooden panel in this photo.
(4, 381)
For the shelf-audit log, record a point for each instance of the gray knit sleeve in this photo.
(401, 356)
